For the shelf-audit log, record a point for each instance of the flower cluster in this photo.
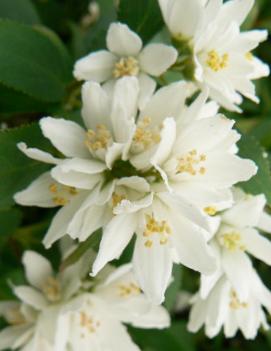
(157, 162)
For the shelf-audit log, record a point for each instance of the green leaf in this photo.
(142, 16)
(262, 132)
(10, 219)
(33, 62)
(19, 10)
(17, 170)
(250, 148)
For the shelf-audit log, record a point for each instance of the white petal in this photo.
(37, 268)
(135, 183)
(122, 41)
(147, 87)
(257, 245)
(9, 335)
(116, 237)
(37, 193)
(265, 222)
(113, 153)
(238, 268)
(246, 212)
(67, 136)
(31, 297)
(125, 99)
(96, 105)
(60, 222)
(237, 10)
(153, 267)
(37, 154)
(96, 67)
(118, 338)
(183, 18)
(127, 206)
(155, 59)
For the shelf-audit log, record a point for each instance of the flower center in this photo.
(99, 139)
(217, 62)
(129, 289)
(211, 211)
(235, 303)
(192, 163)
(249, 56)
(89, 323)
(126, 66)
(52, 290)
(145, 136)
(15, 316)
(117, 199)
(232, 241)
(61, 193)
(156, 227)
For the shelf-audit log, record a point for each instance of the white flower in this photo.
(126, 57)
(235, 238)
(95, 320)
(88, 153)
(222, 54)
(32, 321)
(224, 308)
(192, 148)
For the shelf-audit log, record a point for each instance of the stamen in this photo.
(145, 136)
(98, 140)
(249, 56)
(217, 62)
(126, 290)
(52, 290)
(232, 241)
(14, 316)
(235, 303)
(155, 227)
(61, 193)
(211, 211)
(117, 199)
(126, 66)
(89, 323)
(191, 163)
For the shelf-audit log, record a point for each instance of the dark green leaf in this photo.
(261, 182)
(33, 62)
(19, 10)
(17, 171)
(10, 219)
(262, 132)
(142, 16)
(174, 288)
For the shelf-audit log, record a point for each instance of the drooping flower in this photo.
(224, 308)
(210, 31)
(95, 320)
(237, 236)
(32, 321)
(126, 57)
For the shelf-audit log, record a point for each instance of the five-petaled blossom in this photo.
(221, 53)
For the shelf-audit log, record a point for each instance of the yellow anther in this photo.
(99, 139)
(232, 241)
(126, 66)
(155, 227)
(117, 199)
(61, 193)
(72, 190)
(89, 323)
(235, 303)
(191, 163)
(129, 289)
(249, 56)
(145, 136)
(211, 211)
(53, 188)
(14, 316)
(52, 290)
(217, 62)
(60, 201)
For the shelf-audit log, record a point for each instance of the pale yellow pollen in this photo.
(126, 66)
(217, 62)
(192, 163)
(129, 289)
(14, 316)
(156, 227)
(52, 290)
(235, 303)
(145, 136)
(211, 211)
(99, 139)
(232, 241)
(89, 323)
(249, 56)
(117, 199)
(60, 193)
